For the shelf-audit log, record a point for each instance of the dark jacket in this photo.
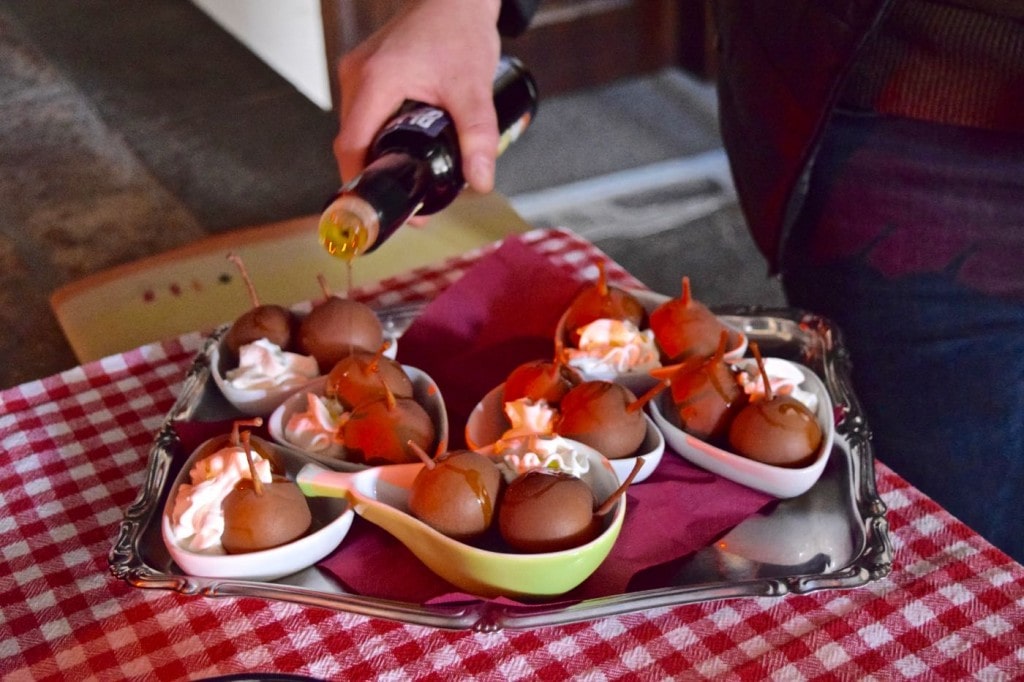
(781, 67)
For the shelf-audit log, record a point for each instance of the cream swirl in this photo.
(529, 418)
(262, 365)
(317, 429)
(541, 452)
(197, 519)
(783, 377)
(609, 346)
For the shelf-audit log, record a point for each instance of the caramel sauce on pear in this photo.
(457, 493)
(706, 394)
(362, 376)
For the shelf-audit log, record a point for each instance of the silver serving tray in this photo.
(833, 536)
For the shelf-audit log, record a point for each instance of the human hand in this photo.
(439, 52)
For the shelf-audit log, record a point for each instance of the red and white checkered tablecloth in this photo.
(73, 455)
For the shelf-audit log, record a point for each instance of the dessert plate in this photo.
(775, 480)
(381, 496)
(486, 424)
(332, 519)
(425, 392)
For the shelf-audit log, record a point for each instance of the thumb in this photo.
(478, 142)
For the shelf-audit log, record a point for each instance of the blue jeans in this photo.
(937, 350)
(939, 371)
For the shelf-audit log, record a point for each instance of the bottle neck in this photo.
(370, 208)
(348, 226)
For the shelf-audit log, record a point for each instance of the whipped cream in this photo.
(541, 452)
(529, 418)
(262, 365)
(317, 429)
(197, 519)
(609, 346)
(783, 377)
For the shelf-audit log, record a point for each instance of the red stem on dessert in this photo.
(238, 423)
(421, 453)
(257, 484)
(602, 279)
(686, 296)
(607, 505)
(756, 350)
(237, 260)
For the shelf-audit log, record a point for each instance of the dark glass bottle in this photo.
(414, 166)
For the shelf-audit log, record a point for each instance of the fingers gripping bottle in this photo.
(414, 167)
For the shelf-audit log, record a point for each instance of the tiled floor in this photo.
(130, 128)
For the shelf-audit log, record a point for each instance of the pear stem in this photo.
(723, 342)
(257, 484)
(373, 365)
(324, 286)
(756, 350)
(602, 279)
(237, 260)
(669, 372)
(607, 505)
(422, 454)
(647, 397)
(238, 423)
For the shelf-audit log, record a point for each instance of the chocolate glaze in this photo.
(547, 511)
(336, 327)
(596, 413)
(254, 522)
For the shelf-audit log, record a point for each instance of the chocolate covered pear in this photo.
(705, 393)
(261, 321)
(545, 510)
(259, 515)
(335, 327)
(541, 380)
(457, 493)
(684, 327)
(777, 429)
(604, 415)
(600, 301)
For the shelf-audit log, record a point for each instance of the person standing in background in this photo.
(877, 147)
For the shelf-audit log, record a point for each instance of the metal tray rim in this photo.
(873, 562)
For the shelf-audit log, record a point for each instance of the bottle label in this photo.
(422, 119)
(430, 120)
(513, 132)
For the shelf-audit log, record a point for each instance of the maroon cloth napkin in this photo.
(501, 313)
